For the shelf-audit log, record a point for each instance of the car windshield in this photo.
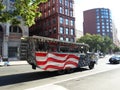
(117, 57)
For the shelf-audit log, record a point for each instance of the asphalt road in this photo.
(23, 77)
(109, 80)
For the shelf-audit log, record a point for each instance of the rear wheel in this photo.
(61, 72)
(70, 70)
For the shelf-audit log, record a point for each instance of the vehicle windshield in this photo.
(117, 57)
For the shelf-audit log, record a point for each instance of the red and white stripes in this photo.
(56, 61)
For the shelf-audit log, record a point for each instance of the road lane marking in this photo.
(52, 86)
(48, 87)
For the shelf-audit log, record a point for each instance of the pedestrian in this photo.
(1, 58)
(6, 62)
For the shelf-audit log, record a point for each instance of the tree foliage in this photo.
(27, 10)
(97, 42)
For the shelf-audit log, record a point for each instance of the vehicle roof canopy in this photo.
(46, 39)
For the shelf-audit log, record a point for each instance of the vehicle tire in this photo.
(70, 70)
(61, 72)
(119, 62)
(33, 66)
(91, 66)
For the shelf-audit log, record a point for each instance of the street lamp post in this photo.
(5, 42)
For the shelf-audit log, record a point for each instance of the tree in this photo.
(27, 10)
(116, 49)
(23, 11)
(93, 41)
(97, 42)
(107, 45)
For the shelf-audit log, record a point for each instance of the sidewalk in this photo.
(13, 63)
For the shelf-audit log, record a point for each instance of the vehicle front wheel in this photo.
(91, 66)
(118, 62)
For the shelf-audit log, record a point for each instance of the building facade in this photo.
(10, 36)
(57, 20)
(79, 34)
(98, 21)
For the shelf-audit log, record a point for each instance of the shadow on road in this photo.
(25, 77)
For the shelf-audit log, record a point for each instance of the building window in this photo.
(53, 10)
(108, 30)
(97, 10)
(49, 22)
(61, 10)
(103, 26)
(67, 39)
(107, 20)
(45, 14)
(54, 20)
(67, 31)
(71, 13)
(102, 20)
(15, 29)
(54, 30)
(98, 30)
(103, 23)
(72, 31)
(61, 30)
(107, 23)
(103, 34)
(107, 27)
(45, 6)
(49, 3)
(61, 38)
(60, 1)
(50, 31)
(61, 20)
(71, 22)
(72, 39)
(49, 12)
(71, 5)
(111, 30)
(98, 20)
(53, 1)
(97, 16)
(103, 30)
(67, 21)
(12, 51)
(102, 16)
(66, 12)
(98, 27)
(98, 23)
(66, 3)
(110, 20)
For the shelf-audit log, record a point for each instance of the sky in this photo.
(82, 5)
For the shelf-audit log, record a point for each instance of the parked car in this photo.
(115, 59)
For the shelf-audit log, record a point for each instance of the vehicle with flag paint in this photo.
(55, 55)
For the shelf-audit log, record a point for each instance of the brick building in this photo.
(57, 20)
(98, 21)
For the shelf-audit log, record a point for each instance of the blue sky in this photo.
(81, 5)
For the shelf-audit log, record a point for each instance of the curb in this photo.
(11, 63)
